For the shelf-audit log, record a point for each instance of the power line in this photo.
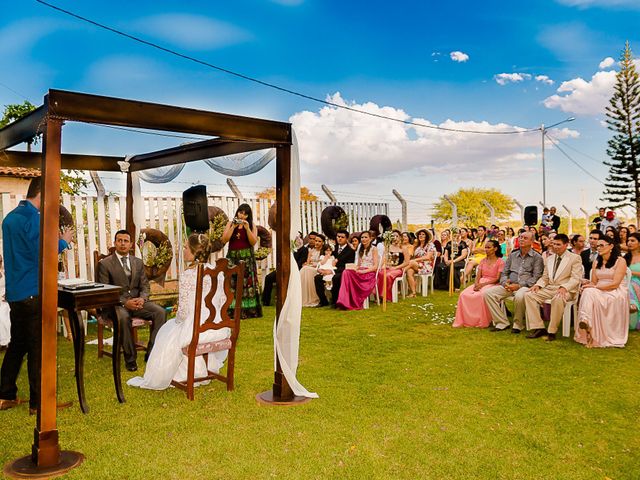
(273, 85)
(14, 91)
(574, 162)
(579, 152)
(146, 132)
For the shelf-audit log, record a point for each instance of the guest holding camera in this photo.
(242, 235)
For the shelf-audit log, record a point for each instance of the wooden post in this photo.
(46, 457)
(281, 393)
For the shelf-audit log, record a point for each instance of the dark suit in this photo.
(555, 223)
(348, 255)
(587, 262)
(111, 271)
(300, 256)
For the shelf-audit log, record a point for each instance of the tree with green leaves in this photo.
(622, 186)
(471, 210)
(71, 181)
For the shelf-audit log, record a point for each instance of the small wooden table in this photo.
(105, 297)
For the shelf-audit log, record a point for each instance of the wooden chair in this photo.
(104, 321)
(195, 347)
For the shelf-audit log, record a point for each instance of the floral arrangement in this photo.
(216, 227)
(262, 253)
(387, 238)
(342, 222)
(154, 256)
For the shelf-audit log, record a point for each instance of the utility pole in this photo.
(454, 211)
(234, 188)
(521, 207)
(403, 204)
(492, 211)
(329, 194)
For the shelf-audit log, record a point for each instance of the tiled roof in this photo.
(19, 172)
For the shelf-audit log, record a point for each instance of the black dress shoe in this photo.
(515, 330)
(132, 366)
(537, 333)
(551, 337)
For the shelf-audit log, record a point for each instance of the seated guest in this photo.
(623, 235)
(477, 251)
(522, 269)
(609, 220)
(613, 233)
(308, 272)
(546, 244)
(471, 310)
(632, 228)
(633, 262)
(577, 244)
(127, 271)
(590, 254)
(603, 314)
(395, 260)
(358, 284)
(302, 253)
(422, 261)
(443, 268)
(502, 240)
(354, 243)
(407, 244)
(343, 254)
(559, 283)
(536, 245)
(327, 266)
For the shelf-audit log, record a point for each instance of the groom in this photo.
(127, 271)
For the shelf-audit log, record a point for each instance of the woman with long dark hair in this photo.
(633, 262)
(167, 361)
(422, 262)
(471, 310)
(358, 284)
(603, 315)
(242, 235)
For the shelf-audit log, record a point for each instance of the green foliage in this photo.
(15, 111)
(71, 181)
(622, 186)
(471, 211)
(402, 396)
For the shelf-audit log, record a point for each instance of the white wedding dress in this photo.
(167, 362)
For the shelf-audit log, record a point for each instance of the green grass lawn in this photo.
(402, 395)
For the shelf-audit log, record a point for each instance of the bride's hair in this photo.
(199, 245)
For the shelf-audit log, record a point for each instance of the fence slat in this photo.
(69, 254)
(91, 234)
(80, 249)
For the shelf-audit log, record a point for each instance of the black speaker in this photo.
(531, 215)
(194, 204)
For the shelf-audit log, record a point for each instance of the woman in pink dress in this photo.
(471, 310)
(358, 284)
(603, 314)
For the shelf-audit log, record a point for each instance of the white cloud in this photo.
(583, 97)
(600, 3)
(544, 79)
(458, 56)
(606, 63)
(195, 32)
(504, 78)
(361, 147)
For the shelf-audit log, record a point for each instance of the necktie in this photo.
(555, 265)
(339, 250)
(125, 265)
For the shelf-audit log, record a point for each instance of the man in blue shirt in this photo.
(21, 244)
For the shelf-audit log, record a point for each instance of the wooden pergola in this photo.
(226, 135)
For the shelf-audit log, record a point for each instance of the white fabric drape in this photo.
(286, 330)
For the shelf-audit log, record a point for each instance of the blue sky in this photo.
(497, 66)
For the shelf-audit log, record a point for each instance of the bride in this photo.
(167, 362)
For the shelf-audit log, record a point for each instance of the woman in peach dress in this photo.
(603, 314)
(471, 310)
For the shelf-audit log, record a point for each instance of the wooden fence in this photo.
(98, 218)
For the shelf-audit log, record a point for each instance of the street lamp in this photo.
(544, 129)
